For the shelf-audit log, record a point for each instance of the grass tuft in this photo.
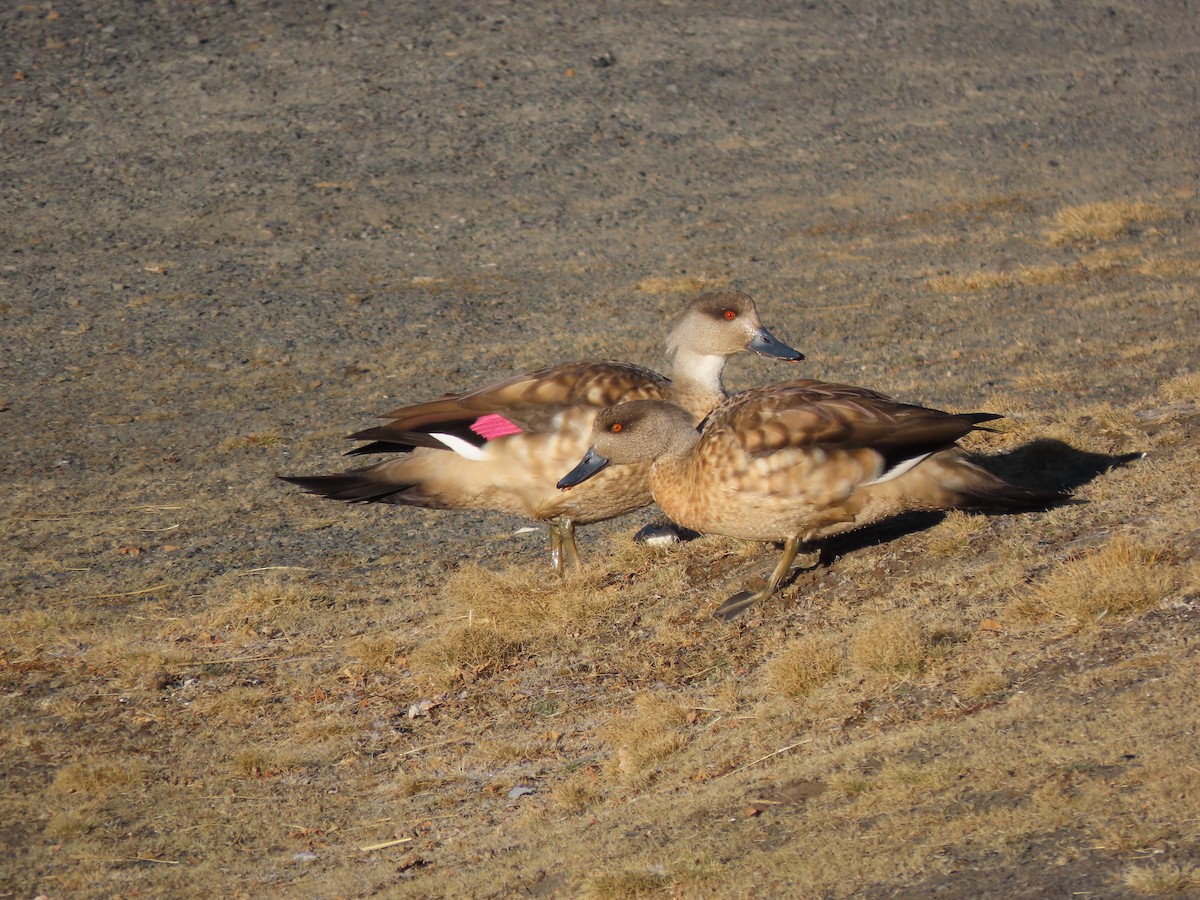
(465, 652)
(628, 885)
(653, 733)
(578, 792)
(497, 615)
(1100, 221)
(97, 779)
(1184, 386)
(955, 532)
(268, 762)
(1163, 878)
(803, 666)
(376, 651)
(894, 643)
(1121, 577)
(71, 823)
(270, 603)
(984, 685)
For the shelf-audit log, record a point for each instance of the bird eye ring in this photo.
(730, 315)
(615, 427)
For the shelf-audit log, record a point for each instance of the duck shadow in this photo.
(1052, 466)
(1045, 465)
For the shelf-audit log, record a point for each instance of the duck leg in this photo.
(570, 551)
(563, 552)
(743, 600)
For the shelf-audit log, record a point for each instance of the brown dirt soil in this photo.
(235, 232)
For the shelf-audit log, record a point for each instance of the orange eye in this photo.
(730, 315)
(615, 427)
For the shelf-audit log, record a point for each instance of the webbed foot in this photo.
(664, 532)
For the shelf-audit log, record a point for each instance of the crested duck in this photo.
(796, 462)
(503, 446)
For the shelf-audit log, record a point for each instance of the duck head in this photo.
(635, 432)
(723, 323)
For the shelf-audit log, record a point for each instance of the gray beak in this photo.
(766, 344)
(591, 463)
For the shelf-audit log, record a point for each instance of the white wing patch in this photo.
(463, 448)
(899, 469)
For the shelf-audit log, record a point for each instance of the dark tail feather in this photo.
(380, 447)
(985, 492)
(977, 419)
(1010, 498)
(353, 487)
(387, 439)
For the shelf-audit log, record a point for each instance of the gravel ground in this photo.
(235, 232)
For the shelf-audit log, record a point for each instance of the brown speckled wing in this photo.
(540, 394)
(804, 414)
(532, 401)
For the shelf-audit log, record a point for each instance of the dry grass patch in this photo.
(404, 787)
(894, 643)
(577, 792)
(72, 823)
(1024, 420)
(99, 778)
(137, 663)
(1107, 260)
(238, 706)
(1121, 577)
(92, 788)
(1106, 420)
(992, 279)
(270, 601)
(269, 761)
(495, 616)
(955, 533)
(694, 878)
(1098, 264)
(464, 653)
(984, 684)
(1092, 427)
(803, 666)
(629, 885)
(1100, 221)
(509, 748)
(1162, 878)
(977, 211)
(1184, 386)
(1168, 267)
(375, 651)
(652, 733)
(527, 601)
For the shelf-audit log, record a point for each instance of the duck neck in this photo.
(669, 468)
(696, 383)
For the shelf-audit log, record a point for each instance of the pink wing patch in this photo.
(492, 426)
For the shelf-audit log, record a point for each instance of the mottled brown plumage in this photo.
(797, 462)
(448, 464)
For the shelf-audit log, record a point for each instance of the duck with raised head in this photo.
(503, 446)
(797, 462)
